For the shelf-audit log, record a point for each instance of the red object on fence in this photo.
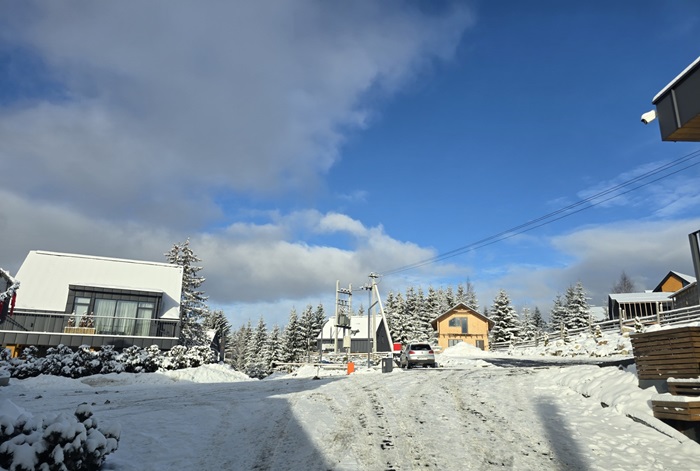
(397, 347)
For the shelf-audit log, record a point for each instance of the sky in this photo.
(297, 144)
(561, 416)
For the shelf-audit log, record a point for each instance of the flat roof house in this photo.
(75, 300)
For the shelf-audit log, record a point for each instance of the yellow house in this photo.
(462, 324)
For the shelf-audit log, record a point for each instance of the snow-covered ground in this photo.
(467, 414)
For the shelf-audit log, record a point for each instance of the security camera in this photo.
(648, 117)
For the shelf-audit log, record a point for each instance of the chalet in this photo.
(673, 282)
(78, 300)
(462, 324)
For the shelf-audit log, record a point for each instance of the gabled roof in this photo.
(461, 306)
(358, 327)
(684, 279)
(46, 276)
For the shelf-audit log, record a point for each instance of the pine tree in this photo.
(258, 359)
(310, 326)
(239, 347)
(293, 344)
(537, 320)
(557, 316)
(192, 301)
(528, 329)
(431, 310)
(448, 300)
(398, 322)
(470, 297)
(577, 309)
(274, 346)
(505, 320)
(411, 314)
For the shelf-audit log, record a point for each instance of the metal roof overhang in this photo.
(678, 106)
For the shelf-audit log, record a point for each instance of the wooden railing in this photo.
(59, 322)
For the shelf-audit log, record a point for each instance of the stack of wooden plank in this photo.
(669, 353)
(683, 403)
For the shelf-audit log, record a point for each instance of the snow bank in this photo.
(616, 388)
(609, 344)
(463, 354)
(211, 373)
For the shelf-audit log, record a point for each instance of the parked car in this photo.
(417, 353)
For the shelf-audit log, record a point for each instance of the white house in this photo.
(78, 300)
(357, 333)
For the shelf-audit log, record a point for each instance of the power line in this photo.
(560, 213)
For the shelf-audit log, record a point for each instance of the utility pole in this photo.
(343, 310)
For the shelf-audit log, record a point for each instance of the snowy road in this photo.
(478, 417)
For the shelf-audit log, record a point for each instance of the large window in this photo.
(119, 317)
(460, 322)
(115, 311)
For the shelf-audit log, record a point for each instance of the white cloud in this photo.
(596, 256)
(167, 103)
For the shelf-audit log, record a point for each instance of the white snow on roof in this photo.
(358, 327)
(45, 277)
(688, 278)
(678, 78)
(640, 297)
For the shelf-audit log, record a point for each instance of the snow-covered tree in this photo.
(538, 321)
(578, 313)
(193, 300)
(274, 346)
(470, 297)
(237, 351)
(505, 319)
(528, 329)
(557, 316)
(258, 358)
(447, 299)
(293, 342)
(399, 324)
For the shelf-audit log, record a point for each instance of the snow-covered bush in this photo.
(56, 443)
(63, 361)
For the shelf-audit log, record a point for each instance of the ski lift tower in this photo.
(343, 310)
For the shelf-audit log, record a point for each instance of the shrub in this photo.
(60, 442)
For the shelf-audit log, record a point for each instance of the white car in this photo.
(417, 353)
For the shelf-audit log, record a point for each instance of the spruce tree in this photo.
(537, 320)
(557, 317)
(528, 329)
(293, 343)
(470, 297)
(578, 311)
(505, 319)
(274, 346)
(257, 359)
(239, 347)
(192, 300)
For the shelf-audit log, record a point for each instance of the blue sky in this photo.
(300, 143)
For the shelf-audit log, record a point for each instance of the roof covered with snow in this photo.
(678, 78)
(358, 327)
(46, 276)
(640, 297)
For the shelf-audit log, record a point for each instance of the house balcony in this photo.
(49, 329)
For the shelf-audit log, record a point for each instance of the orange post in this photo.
(351, 367)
